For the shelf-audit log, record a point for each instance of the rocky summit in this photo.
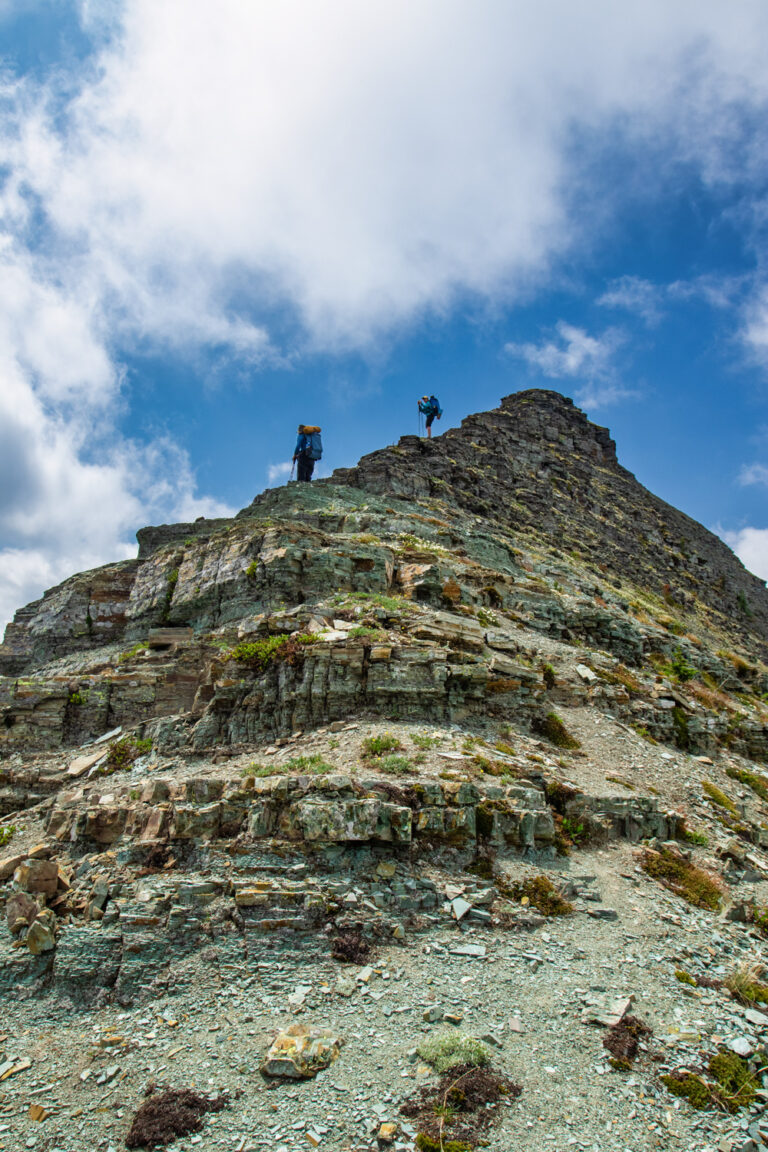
(424, 806)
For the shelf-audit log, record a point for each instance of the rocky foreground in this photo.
(295, 804)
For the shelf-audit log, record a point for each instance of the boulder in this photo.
(40, 876)
(301, 1052)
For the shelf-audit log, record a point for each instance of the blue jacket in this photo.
(430, 407)
(302, 443)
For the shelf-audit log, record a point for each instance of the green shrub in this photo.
(121, 755)
(7, 834)
(256, 769)
(129, 655)
(77, 698)
(381, 745)
(362, 631)
(394, 765)
(425, 742)
(548, 676)
(313, 764)
(691, 836)
(448, 1049)
(258, 653)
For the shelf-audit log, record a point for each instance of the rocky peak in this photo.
(537, 464)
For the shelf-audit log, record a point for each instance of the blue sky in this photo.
(217, 221)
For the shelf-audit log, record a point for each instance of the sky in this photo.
(220, 220)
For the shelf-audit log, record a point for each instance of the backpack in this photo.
(314, 448)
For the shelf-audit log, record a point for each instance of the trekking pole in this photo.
(293, 465)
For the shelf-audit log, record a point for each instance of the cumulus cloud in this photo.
(751, 547)
(573, 354)
(632, 294)
(755, 332)
(754, 474)
(276, 472)
(261, 180)
(649, 301)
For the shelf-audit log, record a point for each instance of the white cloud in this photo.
(587, 360)
(754, 474)
(751, 547)
(755, 332)
(573, 353)
(635, 295)
(276, 472)
(359, 164)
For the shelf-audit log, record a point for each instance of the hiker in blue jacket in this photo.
(309, 447)
(430, 406)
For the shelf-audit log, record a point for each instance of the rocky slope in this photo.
(382, 707)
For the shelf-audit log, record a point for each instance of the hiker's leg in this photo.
(310, 469)
(301, 471)
(429, 427)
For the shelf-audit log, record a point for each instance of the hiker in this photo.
(309, 447)
(430, 406)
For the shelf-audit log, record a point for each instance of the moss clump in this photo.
(758, 784)
(736, 1083)
(7, 834)
(685, 978)
(171, 581)
(548, 676)
(374, 746)
(680, 876)
(449, 1049)
(680, 724)
(717, 796)
(426, 1144)
(691, 1087)
(552, 728)
(540, 892)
